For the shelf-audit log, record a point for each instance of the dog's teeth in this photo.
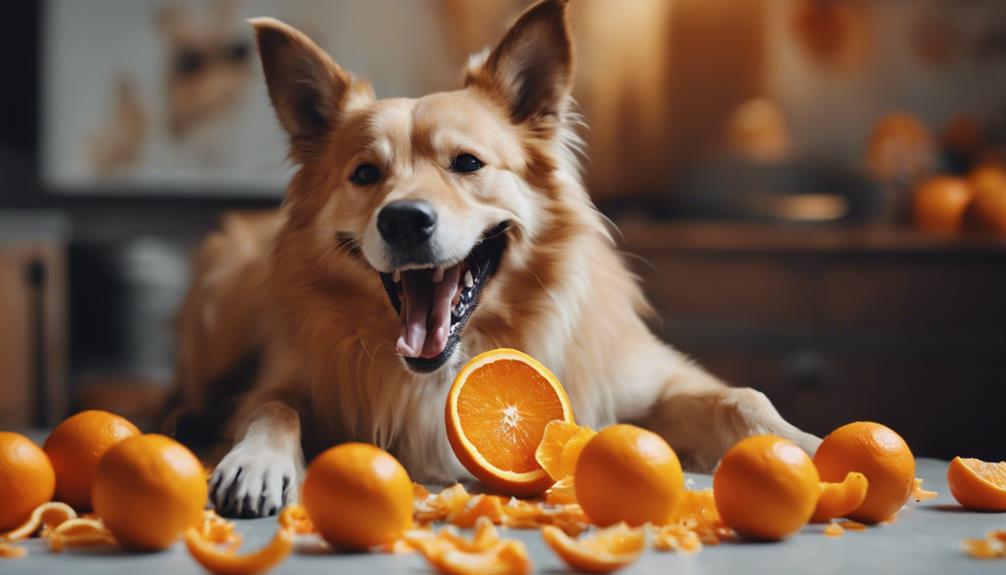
(469, 280)
(438, 275)
(397, 276)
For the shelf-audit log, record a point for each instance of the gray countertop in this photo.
(926, 538)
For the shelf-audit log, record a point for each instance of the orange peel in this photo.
(920, 494)
(993, 546)
(294, 517)
(485, 553)
(602, 551)
(478, 506)
(80, 532)
(228, 562)
(838, 499)
(677, 538)
(49, 515)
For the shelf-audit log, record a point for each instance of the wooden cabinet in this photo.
(840, 324)
(33, 382)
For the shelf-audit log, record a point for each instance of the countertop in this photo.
(926, 538)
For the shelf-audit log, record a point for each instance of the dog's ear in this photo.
(308, 90)
(532, 67)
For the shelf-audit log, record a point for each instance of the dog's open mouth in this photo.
(435, 302)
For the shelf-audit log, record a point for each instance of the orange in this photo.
(977, 484)
(358, 496)
(560, 448)
(26, 479)
(226, 562)
(602, 551)
(839, 499)
(940, 202)
(148, 490)
(988, 208)
(497, 411)
(626, 473)
(881, 455)
(75, 448)
(766, 487)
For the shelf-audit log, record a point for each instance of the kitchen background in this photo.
(813, 191)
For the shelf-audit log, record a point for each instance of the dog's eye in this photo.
(466, 163)
(365, 174)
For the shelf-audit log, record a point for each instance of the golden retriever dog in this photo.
(415, 234)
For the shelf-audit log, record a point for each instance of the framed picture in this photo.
(167, 96)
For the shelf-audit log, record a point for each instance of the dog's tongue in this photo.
(426, 312)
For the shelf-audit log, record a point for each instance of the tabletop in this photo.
(926, 538)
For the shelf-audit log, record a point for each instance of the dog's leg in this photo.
(702, 418)
(264, 468)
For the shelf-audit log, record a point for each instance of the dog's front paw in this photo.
(252, 481)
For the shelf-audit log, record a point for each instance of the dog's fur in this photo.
(302, 286)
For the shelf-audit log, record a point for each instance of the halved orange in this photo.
(840, 498)
(603, 551)
(497, 410)
(977, 484)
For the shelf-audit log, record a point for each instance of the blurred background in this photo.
(813, 191)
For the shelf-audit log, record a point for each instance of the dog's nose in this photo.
(407, 223)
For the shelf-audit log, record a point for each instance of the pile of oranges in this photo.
(951, 204)
(598, 498)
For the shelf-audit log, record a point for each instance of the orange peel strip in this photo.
(850, 525)
(834, 530)
(227, 562)
(920, 494)
(840, 498)
(12, 551)
(294, 517)
(484, 553)
(79, 532)
(603, 551)
(562, 492)
(50, 515)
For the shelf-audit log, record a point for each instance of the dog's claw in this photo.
(249, 483)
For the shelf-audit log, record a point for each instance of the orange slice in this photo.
(840, 499)
(603, 551)
(977, 484)
(497, 411)
(227, 562)
(560, 448)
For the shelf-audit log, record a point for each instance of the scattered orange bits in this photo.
(478, 506)
(216, 529)
(80, 532)
(560, 448)
(294, 517)
(562, 492)
(850, 525)
(992, 547)
(11, 551)
(920, 494)
(485, 553)
(438, 507)
(677, 538)
(48, 515)
(603, 551)
(225, 561)
(840, 498)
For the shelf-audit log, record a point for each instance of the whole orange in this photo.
(939, 204)
(26, 479)
(148, 490)
(626, 473)
(881, 455)
(75, 447)
(988, 208)
(358, 496)
(766, 487)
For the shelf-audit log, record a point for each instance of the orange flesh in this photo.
(504, 408)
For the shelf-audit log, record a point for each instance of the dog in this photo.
(415, 234)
